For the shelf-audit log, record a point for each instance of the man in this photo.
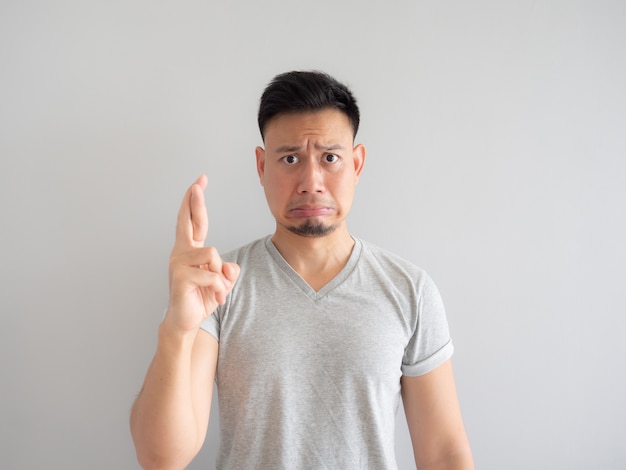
(313, 335)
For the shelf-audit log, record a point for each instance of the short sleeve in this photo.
(430, 345)
(211, 324)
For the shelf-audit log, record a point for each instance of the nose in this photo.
(311, 178)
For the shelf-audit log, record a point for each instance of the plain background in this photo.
(496, 137)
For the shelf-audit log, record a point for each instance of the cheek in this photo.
(345, 184)
(276, 188)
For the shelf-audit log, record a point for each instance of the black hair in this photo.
(299, 92)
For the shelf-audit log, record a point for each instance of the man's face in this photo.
(309, 170)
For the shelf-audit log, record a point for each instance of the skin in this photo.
(434, 419)
(170, 416)
(309, 170)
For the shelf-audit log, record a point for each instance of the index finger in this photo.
(193, 222)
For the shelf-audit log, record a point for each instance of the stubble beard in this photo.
(309, 229)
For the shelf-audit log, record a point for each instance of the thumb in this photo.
(231, 271)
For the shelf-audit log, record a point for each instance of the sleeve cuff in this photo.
(430, 363)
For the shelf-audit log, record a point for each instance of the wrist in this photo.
(173, 338)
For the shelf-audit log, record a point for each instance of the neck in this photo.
(316, 259)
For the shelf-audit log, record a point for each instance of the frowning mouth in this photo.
(314, 210)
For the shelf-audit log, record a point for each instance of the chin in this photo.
(309, 229)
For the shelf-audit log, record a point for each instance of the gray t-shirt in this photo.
(311, 380)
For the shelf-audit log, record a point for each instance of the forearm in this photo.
(170, 416)
(163, 420)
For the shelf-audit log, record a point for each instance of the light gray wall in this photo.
(496, 133)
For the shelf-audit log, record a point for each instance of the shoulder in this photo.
(390, 262)
(385, 267)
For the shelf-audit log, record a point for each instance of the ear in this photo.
(358, 155)
(260, 162)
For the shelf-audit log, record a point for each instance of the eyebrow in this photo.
(297, 148)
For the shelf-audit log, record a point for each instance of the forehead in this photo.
(325, 124)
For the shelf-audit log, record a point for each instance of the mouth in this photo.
(307, 211)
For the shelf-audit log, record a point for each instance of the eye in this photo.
(290, 159)
(331, 158)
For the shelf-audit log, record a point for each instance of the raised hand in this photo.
(199, 280)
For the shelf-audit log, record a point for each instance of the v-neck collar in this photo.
(301, 283)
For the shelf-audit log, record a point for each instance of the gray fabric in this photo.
(311, 380)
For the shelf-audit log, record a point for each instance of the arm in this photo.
(434, 419)
(170, 416)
